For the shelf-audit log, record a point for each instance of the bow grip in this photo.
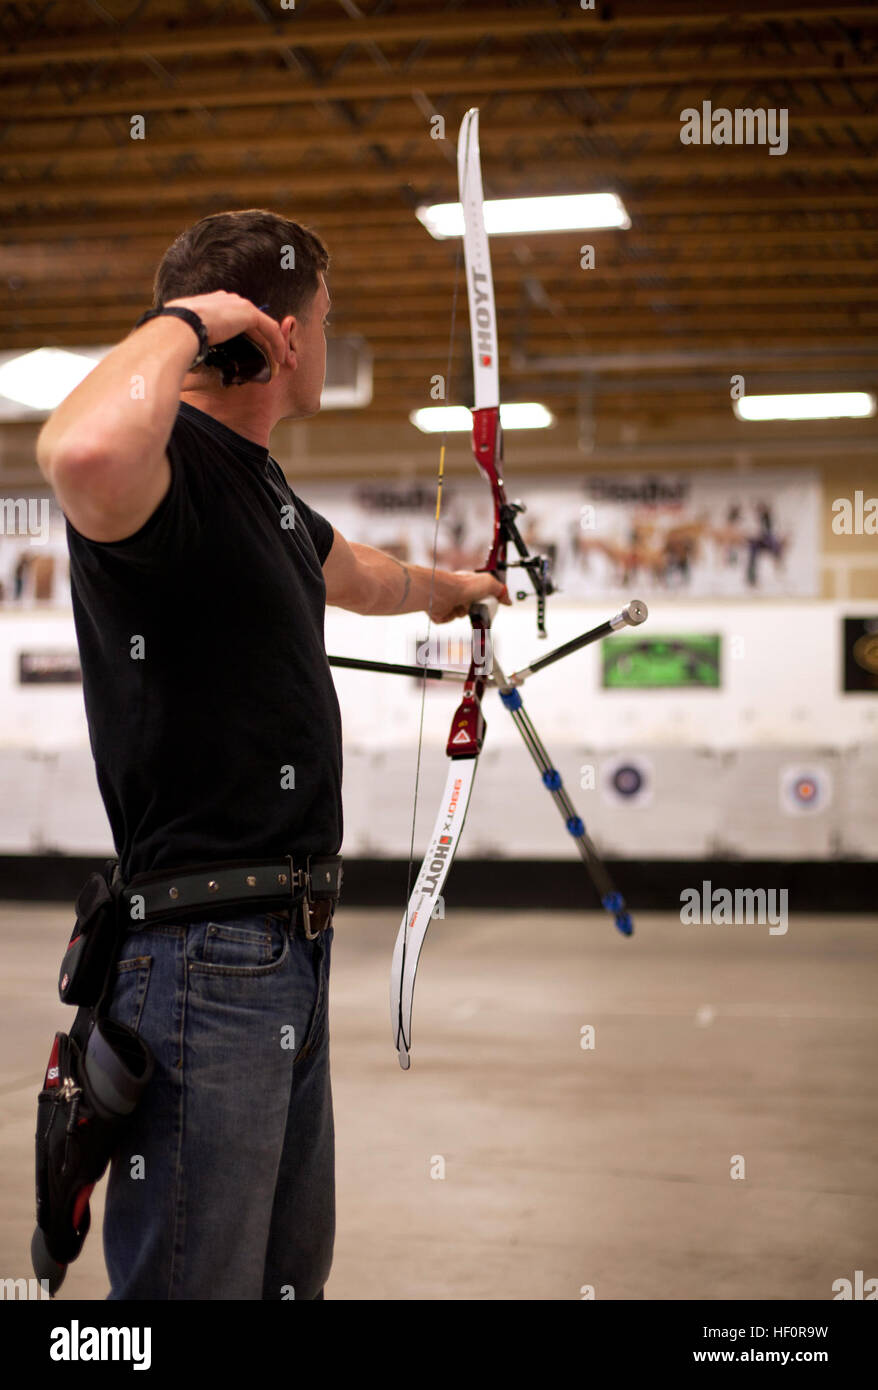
(484, 612)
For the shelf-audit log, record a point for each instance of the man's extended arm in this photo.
(369, 581)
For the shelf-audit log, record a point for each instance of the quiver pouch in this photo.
(90, 951)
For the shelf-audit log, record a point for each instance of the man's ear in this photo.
(289, 327)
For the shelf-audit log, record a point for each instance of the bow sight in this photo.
(538, 567)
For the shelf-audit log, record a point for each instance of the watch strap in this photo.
(188, 316)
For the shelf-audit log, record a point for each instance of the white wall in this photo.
(713, 793)
(785, 689)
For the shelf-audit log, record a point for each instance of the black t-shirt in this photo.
(211, 710)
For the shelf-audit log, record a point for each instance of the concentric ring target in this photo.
(627, 781)
(804, 791)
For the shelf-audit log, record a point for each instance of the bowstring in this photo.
(439, 481)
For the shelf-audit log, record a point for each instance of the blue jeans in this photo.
(223, 1186)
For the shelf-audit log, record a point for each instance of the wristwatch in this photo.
(187, 316)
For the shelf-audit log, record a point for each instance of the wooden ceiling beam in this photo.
(664, 274)
(446, 25)
(95, 321)
(680, 213)
(263, 90)
(353, 305)
(792, 348)
(187, 188)
(354, 302)
(656, 254)
(232, 143)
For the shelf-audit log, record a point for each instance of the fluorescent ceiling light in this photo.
(523, 415)
(816, 405)
(41, 379)
(566, 212)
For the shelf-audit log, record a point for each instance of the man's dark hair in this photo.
(257, 254)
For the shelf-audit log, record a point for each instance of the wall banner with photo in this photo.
(33, 551)
(860, 646)
(698, 534)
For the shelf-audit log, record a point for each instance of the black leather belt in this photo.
(164, 896)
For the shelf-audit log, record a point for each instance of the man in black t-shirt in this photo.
(199, 582)
(213, 586)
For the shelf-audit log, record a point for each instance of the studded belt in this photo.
(164, 896)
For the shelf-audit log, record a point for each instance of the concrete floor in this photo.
(564, 1167)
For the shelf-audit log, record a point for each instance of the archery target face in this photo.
(804, 790)
(627, 781)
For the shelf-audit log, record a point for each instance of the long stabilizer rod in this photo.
(610, 897)
(631, 615)
(432, 673)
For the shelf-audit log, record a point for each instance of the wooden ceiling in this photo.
(737, 261)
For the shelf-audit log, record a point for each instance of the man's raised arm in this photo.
(103, 449)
